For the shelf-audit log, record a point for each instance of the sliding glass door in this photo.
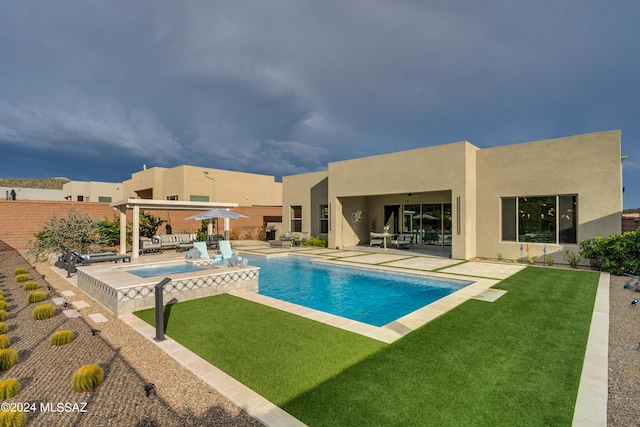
(429, 224)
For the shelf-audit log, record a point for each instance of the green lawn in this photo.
(516, 361)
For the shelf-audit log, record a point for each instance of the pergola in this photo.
(149, 204)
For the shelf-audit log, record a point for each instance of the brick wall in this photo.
(21, 219)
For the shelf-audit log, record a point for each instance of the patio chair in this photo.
(300, 238)
(403, 241)
(375, 241)
(150, 245)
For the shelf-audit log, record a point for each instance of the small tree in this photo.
(149, 224)
(76, 231)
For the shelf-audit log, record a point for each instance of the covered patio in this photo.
(148, 204)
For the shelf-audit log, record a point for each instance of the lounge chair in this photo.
(87, 259)
(375, 241)
(228, 254)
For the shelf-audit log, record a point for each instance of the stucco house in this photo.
(546, 195)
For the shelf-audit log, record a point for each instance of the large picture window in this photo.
(541, 219)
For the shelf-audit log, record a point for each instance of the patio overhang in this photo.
(150, 204)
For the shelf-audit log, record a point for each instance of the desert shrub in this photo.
(13, 419)
(43, 311)
(19, 270)
(36, 296)
(572, 258)
(9, 388)
(3, 315)
(22, 277)
(8, 358)
(234, 234)
(30, 286)
(548, 259)
(316, 241)
(3, 305)
(3, 328)
(62, 337)
(616, 254)
(4, 342)
(87, 378)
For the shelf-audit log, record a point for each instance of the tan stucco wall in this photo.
(246, 189)
(309, 191)
(443, 168)
(586, 165)
(92, 190)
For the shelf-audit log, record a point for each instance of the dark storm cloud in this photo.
(284, 87)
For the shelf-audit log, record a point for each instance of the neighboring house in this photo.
(630, 220)
(198, 184)
(30, 193)
(92, 191)
(482, 202)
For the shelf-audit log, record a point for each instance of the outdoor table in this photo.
(384, 236)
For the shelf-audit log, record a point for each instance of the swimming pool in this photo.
(164, 270)
(372, 297)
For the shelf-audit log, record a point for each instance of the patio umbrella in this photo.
(217, 213)
(424, 216)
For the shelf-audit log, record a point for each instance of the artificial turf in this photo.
(516, 361)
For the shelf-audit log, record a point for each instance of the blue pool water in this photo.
(164, 270)
(368, 296)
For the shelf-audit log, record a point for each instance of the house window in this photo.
(296, 218)
(509, 219)
(324, 219)
(81, 198)
(540, 219)
(199, 198)
(172, 197)
(104, 199)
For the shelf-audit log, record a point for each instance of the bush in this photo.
(87, 378)
(3, 305)
(8, 358)
(22, 278)
(19, 270)
(9, 388)
(43, 312)
(62, 337)
(548, 259)
(4, 342)
(3, 315)
(316, 241)
(3, 328)
(36, 296)
(572, 258)
(13, 419)
(30, 286)
(616, 254)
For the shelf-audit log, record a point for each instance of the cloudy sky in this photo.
(92, 90)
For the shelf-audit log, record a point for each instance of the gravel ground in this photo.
(129, 362)
(624, 355)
